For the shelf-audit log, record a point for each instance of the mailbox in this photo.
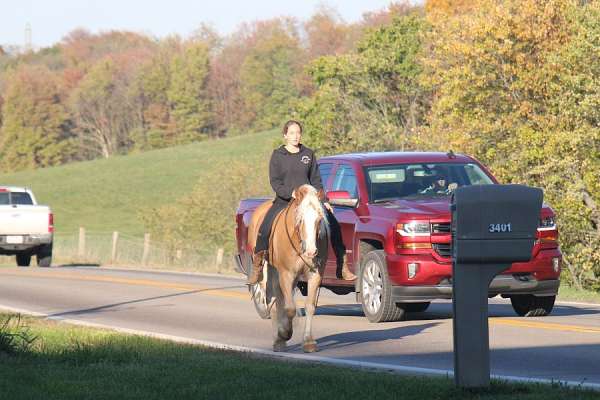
(495, 223)
(492, 227)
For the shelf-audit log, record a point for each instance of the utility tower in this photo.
(28, 44)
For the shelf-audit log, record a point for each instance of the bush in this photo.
(204, 219)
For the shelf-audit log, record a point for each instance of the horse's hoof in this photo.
(279, 346)
(310, 347)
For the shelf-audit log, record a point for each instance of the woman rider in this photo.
(292, 165)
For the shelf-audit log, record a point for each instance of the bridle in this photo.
(287, 231)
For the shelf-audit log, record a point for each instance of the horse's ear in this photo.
(296, 195)
(299, 192)
(321, 195)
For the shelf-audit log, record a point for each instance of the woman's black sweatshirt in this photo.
(287, 171)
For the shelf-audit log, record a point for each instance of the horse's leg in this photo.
(288, 311)
(313, 282)
(277, 317)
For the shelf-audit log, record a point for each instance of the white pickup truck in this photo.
(26, 228)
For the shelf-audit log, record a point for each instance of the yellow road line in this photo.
(543, 325)
(135, 282)
(246, 296)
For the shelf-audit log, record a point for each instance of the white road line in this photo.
(402, 369)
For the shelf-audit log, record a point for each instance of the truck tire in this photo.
(528, 305)
(23, 259)
(376, 289)
(44, 255)
(415, 307)
(258, 292)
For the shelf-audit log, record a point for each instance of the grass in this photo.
(71, 362)
(569, 293)
(107, 195)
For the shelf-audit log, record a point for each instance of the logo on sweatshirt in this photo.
(305, 159)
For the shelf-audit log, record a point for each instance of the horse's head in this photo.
(308, 218)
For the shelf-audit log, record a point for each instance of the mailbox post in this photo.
(492, 227)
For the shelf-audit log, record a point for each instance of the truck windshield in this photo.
(389, 182)
(21, 198)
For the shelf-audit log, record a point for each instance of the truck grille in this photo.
(441, 227)
(443, 249)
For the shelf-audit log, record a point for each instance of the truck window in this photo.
(325, 171)
(21, 198)
(345, 179)
(4, 199)
(391, 182)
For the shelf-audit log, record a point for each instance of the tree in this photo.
(326, 33)
(370, 99)
(516, 87)
(151, 84)
(268, 74)
(188, 95)
(103, 110)
(35, 130)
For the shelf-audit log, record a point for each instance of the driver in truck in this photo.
(439, 185)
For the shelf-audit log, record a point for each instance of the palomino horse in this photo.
(292, 251)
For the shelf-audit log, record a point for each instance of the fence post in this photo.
(219, 259)
(81, 249)
(146, 249)
(115, 241)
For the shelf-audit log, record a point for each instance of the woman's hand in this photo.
(328, 207)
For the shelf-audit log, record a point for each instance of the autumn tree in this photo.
(35, 125)
(515, 86)
(103, 110)
(151, 84)
(224, 83)
(326, 33)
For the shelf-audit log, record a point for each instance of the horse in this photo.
(297, 236)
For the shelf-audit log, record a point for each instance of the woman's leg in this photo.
(262, 241)
(337, 243)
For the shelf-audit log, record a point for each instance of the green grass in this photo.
(71, 362)
(569, 293)
(107, 195)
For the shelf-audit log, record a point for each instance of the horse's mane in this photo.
(307, 199)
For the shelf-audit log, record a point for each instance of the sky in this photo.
(51, 20)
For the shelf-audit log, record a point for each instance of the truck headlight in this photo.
(414, 228)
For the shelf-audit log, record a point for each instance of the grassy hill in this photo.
(107, 195)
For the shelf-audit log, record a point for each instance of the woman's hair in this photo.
(290, 123)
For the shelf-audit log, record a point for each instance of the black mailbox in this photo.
(492, 227)
(495, 223)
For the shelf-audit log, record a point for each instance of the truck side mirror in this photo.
(341, 198)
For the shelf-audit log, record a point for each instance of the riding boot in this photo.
(257, 267)
(344, 272)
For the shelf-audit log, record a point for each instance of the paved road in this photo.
(564, 346)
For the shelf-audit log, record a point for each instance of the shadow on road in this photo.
(76, 265)
(341, 340)
(114, 306)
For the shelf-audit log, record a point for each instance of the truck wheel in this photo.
(528, 305)
(415, 307)
(44, 255)
(258, 291)
(376, 289)
(23, 260)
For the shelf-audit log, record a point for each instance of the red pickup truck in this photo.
(393, 209)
